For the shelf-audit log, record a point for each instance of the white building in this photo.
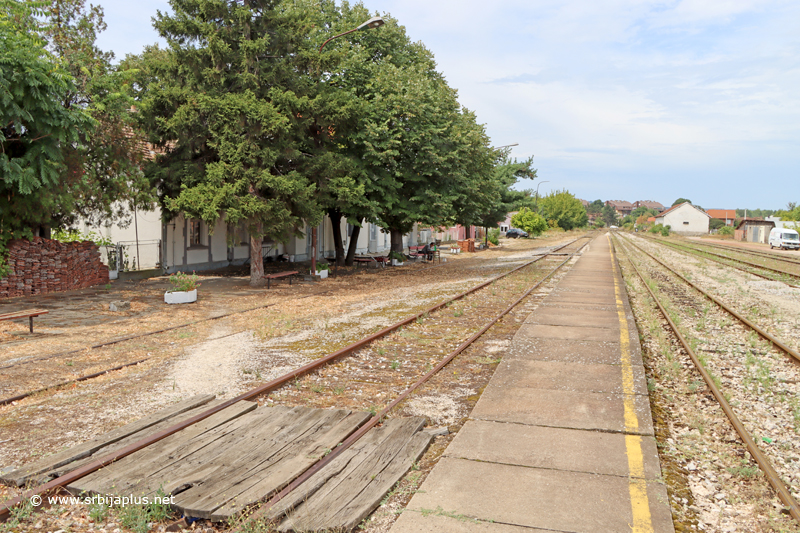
(188, 244)
(789, 224)
(685, 219)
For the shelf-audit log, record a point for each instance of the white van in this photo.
(784, 238)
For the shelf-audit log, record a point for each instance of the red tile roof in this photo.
(723, 214)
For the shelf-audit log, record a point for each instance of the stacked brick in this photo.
(39, 266)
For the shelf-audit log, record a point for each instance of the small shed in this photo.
(685, 219)
(754, 230)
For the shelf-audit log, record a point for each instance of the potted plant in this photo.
(397, 258)
(322, 270)
(111, 255)
(184, 288)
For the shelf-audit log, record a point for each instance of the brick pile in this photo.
(39, 266)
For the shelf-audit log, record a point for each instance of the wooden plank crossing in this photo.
(215, 472)
(70, 459)
(342, 494)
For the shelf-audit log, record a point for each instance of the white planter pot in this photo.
(322, 274)
(397, 263)
(181, 297)
(113, 274)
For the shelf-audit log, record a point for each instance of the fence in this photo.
(126, 256)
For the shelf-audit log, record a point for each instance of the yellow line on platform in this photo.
(637, 485)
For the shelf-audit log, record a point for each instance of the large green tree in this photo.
(35, 126)
(566, 210)
(506, 173)
(220, 102)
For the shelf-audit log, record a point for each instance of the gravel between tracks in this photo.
(236, 353)
(714, 484)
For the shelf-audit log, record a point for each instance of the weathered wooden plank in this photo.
(193, 462)
(268, 468)
(121, 476)
(102, 443)
(343, 495)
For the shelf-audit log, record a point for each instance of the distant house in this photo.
(585, 203)
(726, 215)
(622, 207)
(685, 219)
(649, 204)
(753, 230)
(506, 224)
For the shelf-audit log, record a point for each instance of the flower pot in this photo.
(397, 263)
(113, 274)
(180, 297)
(322, 274)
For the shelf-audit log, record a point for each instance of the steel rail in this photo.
(775, 270)
(70, 477)
(697, 252)
(131, 337)
(766, 335)
(22, 396)
(768, 255)
(372, 422)
(772, 476)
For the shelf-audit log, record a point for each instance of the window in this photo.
(685, 223)
(195, 230)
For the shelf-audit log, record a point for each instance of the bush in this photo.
(659, 228)
(494, 236)
(529, 221)
(599, 223)
(725, 230)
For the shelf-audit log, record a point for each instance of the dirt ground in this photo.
(265, 334)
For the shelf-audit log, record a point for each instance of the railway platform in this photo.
(562, 437)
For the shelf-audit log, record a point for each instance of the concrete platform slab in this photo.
(588, 299)
(533, 497)
(577, 305)
(574, 450)
(566, 376)
(563, 409)
(575, 317)
(587, 333)
(439, 521)
(563, 350)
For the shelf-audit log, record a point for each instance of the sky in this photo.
(616, 100)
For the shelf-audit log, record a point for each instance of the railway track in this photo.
(721, 365)
(782, 275)
(410, 363)
(739, 249)
(15, 373)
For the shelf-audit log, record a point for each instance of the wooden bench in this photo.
(369, 259)
(28, 313)
(278, 275)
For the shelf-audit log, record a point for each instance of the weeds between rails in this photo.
(140, 360)
(713, 382)
(254, 393)
(723, 258)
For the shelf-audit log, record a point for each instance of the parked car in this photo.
(513, 233)
(784, 238)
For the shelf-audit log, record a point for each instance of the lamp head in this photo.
(374, 22)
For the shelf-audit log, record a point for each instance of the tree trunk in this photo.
(336, 221)
(397, 241)
(256, 261)
(351, 248)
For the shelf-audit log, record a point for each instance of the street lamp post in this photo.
(537, 194)
(374, 22)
